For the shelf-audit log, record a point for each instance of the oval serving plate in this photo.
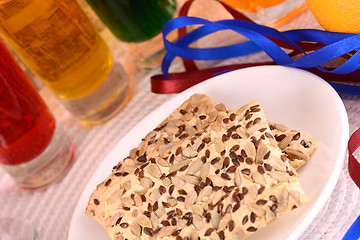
(293, 97)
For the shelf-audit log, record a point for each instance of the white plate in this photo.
(289, 96)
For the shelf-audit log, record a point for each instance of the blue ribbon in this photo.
(336, 45)
(354, 231)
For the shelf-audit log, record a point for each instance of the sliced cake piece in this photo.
(205, 172)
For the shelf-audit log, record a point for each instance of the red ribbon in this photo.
(181, 81)
(178, 82)
(354, 165)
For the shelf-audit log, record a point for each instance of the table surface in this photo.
(51, 209)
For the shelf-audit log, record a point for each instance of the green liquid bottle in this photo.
(134, 20)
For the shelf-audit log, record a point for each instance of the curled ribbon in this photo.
(354, 231)
(262, 38)
(354, 165)
(354, 171)
(317, 46)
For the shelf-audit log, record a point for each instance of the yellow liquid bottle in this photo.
(61, 46)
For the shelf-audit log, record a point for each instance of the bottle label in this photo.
(51, 35)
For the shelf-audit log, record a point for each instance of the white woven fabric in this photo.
(51, 209)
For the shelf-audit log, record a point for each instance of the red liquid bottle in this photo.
(26, 124)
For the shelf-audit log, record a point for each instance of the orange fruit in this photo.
(251, 5)
(337, 15)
